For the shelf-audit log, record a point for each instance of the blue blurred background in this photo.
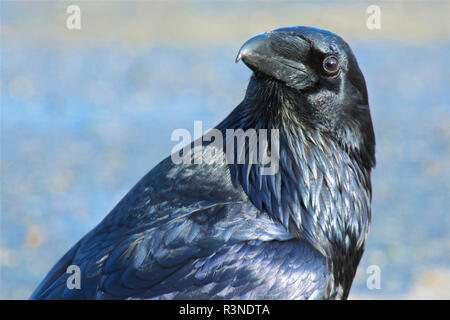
(86, 113)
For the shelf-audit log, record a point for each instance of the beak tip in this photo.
(253, 46)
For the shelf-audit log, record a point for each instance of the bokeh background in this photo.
(86, 113)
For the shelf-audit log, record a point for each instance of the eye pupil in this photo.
(330, 64)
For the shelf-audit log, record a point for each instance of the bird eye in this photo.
(331, 64)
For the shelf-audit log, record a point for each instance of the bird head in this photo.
(318, 75)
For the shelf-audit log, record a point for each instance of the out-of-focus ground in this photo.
(85, 114)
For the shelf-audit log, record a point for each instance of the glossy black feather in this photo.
(225, 231)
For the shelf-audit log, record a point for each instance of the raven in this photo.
(215, 230)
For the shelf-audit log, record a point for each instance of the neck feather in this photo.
(320, 193)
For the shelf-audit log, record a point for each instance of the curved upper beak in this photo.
(256, 46)
(278, 55)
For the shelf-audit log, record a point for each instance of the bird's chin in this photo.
(299, 83)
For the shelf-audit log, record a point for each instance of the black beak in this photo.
(279, 55)
(256, 46)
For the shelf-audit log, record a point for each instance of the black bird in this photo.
(214, 230)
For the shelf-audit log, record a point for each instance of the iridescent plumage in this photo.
(224, 231)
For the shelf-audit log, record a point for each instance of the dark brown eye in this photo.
(331, 64)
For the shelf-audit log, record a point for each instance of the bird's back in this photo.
(186, 232)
